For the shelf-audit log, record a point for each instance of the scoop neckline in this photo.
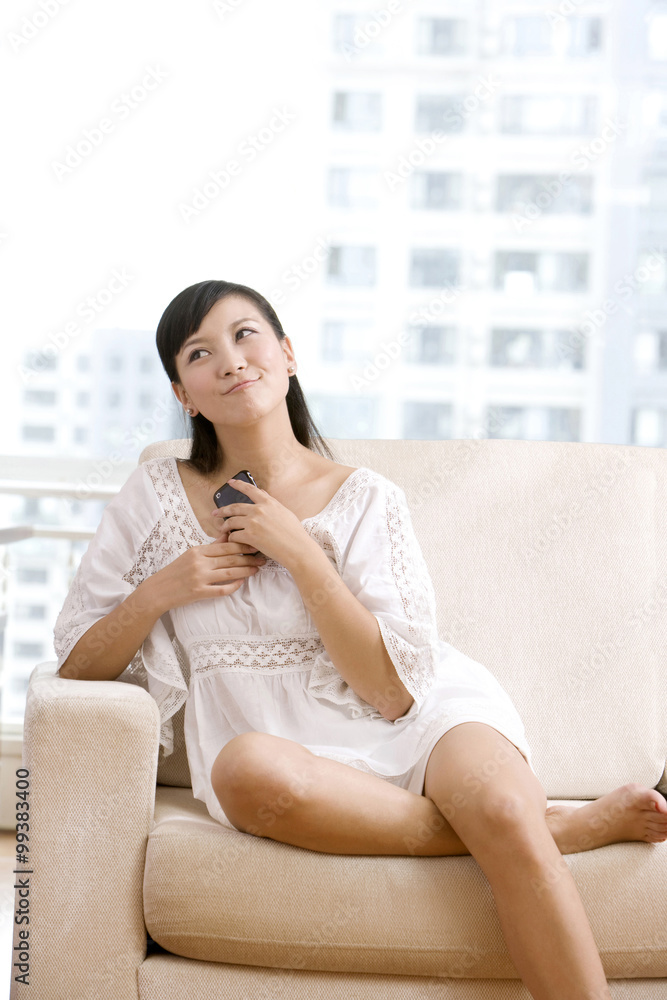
(212, 538)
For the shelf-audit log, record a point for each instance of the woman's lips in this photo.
(240, 385)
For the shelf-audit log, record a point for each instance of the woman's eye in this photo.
(244, 329)
(198, 351)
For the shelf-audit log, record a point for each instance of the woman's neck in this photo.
(273, 463)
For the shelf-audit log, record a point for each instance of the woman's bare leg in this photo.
(502, 820)
(274, 787)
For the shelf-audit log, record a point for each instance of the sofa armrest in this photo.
(91, 748)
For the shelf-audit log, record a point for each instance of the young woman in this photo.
(322, 710)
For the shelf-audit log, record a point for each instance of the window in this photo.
(427, 421)
(40, 397)
(31, 574)
(146, 400)
(649, 427)
(343, 416)
(432, 267)
(439, 112)
(32, 508)
(516, 348)
(114, 398)
(432, 345)
(351, 266)
(35, 433)
(31, 611)
(346, 341)
(585, 36)
(441, 36)
(35, 650)
(350, 187)
(522, 272)
(650, 351)
(80, 435)
(650, 276)
(544, 115)
(359, 112)
(354, 34)
(534, 423)
(436, 190)
(83, 399)
(544, 193)
(115, 363)
(42, 361)
(147, 364)
(528, 36)
(83, 363)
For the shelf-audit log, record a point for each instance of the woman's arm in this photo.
(109, 645)
(350, 633)
(202, 572)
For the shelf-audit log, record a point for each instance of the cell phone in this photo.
(227, 494)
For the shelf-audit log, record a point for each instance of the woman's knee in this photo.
(254, 773)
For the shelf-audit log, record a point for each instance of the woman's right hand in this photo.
(215, 569)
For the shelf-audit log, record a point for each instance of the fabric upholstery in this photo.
(91, 749)
(220, 895)
(165, 977)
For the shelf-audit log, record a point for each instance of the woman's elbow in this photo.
(397, 708)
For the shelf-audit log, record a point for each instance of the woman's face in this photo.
(233, 369)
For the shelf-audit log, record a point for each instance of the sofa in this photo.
(549, 561)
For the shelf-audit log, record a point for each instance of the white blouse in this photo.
(256, 661)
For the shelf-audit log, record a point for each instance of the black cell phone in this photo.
(227, 494)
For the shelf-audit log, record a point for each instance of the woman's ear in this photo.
(182, 398)
(288, 351)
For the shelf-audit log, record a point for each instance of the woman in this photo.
(322, 709)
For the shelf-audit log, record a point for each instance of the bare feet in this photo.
(631, 812)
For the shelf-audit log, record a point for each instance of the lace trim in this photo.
(65, 633)
(267, 654)
(413, 657)
(319, 526)
(174, 533)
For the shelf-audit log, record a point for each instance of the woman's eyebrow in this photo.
(202, 336)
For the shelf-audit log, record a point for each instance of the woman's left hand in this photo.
(265, 524)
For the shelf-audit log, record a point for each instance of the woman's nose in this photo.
(230, 365)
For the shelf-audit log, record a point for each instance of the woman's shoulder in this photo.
(357, 489)
(140, 498)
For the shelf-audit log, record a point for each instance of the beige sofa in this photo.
(550, 567)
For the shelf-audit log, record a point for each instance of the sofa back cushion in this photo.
(549, 562)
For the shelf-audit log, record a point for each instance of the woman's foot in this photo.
(631, 812)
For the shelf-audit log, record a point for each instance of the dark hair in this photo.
(183, 317)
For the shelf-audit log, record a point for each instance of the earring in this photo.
(291, 370)
(189, 411)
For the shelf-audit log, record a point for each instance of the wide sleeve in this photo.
(379, 558)
(108, 572)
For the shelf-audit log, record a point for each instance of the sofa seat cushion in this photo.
(167, 977)
(219, 895)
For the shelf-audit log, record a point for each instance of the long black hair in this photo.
(183, 317)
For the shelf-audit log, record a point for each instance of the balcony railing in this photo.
(32, 478)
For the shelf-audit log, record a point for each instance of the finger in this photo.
(243, 487)
(229, 509)
(223, 546)
(234, 572)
